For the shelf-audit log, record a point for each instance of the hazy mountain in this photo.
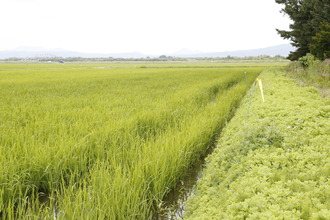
(283, 50)
(31, 52)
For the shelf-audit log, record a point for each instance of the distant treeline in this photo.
(160, 58)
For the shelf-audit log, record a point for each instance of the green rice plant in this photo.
(106, 143)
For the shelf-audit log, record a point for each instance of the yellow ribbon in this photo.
(261, 90)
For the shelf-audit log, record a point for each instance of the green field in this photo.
(136, 64)
(272, 160)
(90, 141)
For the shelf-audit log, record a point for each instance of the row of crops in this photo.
(106, 143)
(272, 161)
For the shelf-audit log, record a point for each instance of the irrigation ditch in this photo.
(172, 206)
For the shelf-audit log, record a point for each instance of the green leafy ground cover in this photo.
(106, 143)
(273, 163)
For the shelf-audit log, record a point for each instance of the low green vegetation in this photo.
(272, 160)
(310, 71)
(83, 142)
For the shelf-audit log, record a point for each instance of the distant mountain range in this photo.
(32, 52)
(282, 50)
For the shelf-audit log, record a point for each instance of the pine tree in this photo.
(308, 32)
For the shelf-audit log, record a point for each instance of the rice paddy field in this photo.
(107, 141)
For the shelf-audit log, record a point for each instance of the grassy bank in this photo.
(309, 71)
(272, 161)
(106, 143)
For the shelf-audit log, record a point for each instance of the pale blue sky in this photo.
(148, 26)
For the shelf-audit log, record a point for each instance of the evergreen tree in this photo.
(320, 45)
(308, 31)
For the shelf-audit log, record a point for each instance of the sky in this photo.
(147, 26)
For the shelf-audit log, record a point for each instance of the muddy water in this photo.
(173, 204)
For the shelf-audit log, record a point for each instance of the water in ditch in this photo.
(172, 207)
